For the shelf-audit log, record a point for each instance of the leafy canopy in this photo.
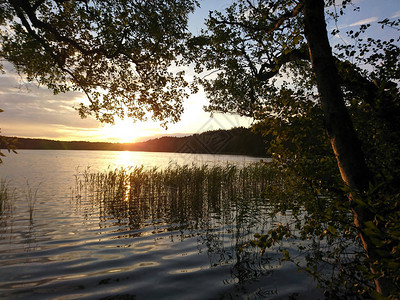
(253, 59)
(119, 53)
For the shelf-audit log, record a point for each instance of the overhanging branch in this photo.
(24, 8)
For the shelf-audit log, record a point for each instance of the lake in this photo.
(62, 239)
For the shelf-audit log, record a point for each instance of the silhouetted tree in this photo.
(272, 60)
(119, 53)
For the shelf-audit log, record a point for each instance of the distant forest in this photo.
(239, 141)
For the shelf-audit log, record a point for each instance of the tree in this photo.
(270, 60)
(252, 43)
(119, 53)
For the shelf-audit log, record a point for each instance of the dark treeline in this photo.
(241, 141)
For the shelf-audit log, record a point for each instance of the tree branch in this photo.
(289, 14)
(30, 13)
(37, 4)
(56, 56)
(296, 54)
(275, 23)
(233, 23)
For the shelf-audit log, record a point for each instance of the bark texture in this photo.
(345, 144)
(343, 138)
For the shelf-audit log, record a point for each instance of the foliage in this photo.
(252, 61)
(117, 52)
(244, 53)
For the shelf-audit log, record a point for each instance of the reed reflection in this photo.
(222, 207)
(7, 197)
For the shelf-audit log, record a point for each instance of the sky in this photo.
(35, 112)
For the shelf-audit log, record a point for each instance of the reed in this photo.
(7, 197)
(177, 181)
(221, 205)
(174, 194)
(31, 197)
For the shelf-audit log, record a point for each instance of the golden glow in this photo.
(123, 131)
(126, 159)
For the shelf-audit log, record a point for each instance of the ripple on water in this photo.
(83, 249)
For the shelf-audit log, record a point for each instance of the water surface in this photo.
(79, 245)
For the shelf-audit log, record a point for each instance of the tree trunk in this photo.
(345, 144)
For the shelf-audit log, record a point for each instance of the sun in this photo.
(127, 131)
(122, 131)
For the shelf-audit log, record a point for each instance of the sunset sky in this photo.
(31, 111)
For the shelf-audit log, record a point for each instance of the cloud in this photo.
(34, 111)
(396, 15)
(37, 108)
(364, 21)
(358, 23)
(50, 131)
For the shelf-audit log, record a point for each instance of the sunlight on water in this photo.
(171, 235)
(126, 158)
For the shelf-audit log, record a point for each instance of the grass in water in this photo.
(7, 197)
(31, 197)
(188, 196)
(222, 206)
(181, 184)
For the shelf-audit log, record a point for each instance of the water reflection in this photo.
(221, 207)
(140, 232)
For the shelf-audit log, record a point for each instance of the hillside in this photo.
(241, 141)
